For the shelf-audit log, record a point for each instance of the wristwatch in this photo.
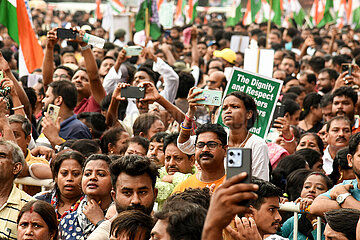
(341, 198)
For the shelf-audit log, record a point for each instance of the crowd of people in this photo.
(153, 167)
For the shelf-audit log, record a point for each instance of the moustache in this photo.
(138, 207)
(340, 113)
(341, 138)
(206, 154)
(173, 168)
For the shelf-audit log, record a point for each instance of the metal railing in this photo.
(292, 207)
(43, 183)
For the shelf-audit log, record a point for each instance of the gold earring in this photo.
(341, 176)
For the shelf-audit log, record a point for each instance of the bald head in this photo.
(216, 81)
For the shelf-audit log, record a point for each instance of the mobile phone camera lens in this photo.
(231, 161)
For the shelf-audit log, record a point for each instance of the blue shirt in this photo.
(72, 128)
(355, 192)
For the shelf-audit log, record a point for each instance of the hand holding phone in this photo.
(346, 67)
(212, 97)
(53, 112)
(64, 33)
(133, 92)
(133, 50)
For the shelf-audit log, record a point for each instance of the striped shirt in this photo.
(10, 211)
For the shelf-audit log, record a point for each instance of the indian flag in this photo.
(180, 13)
(252, 13)
(322, 12)
(117, 6)
(235, 14)
(192, 12)
(340, 9)
(13, 13)
(353, 13)
(293, 9)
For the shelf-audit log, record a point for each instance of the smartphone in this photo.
(346, 67)
(167, 34)
(65, 33)
(279, 111)
(133, 92)
(133, 50)
(239, 160)
(1, 75)
(212, 97)
(53, 112)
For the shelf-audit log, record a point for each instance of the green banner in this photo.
(263, 89)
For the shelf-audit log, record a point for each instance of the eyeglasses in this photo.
(211, 145)
(61, 77)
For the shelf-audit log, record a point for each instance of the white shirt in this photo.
(327, 161)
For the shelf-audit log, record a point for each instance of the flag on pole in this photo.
(253, 8)
(140, 19)
(180, 13)
(192, 12)
(353, 13)
(13, 13)
(236, 13)
(322, 12)
(341, 17)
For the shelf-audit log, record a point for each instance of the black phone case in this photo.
(64, 33)
(133, 92)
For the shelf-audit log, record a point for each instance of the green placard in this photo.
(263, 89)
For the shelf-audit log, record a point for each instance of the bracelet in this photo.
(99, 222)
(289, 140)
(85, 47)
(190, 119)
(18, 107)
(185, 128)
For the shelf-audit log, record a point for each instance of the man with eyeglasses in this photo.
(210, 151)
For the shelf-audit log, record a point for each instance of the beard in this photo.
(139, 207)
(356, 171)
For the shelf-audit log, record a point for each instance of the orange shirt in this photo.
(193, 182)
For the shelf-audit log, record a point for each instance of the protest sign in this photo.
(239, 43)
(259, 61)
(265, 92)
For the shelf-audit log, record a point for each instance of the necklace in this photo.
(241, 144)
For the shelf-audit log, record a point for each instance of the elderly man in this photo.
(11, 198)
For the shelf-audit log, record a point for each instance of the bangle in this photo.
(18, 107)
(190, 119)
(289, 140)
(185, 128)
(85, 47)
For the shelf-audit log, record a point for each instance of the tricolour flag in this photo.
(353, 13)
(235, 14)
(13, 13)
(117, 6)
(192, 12)
(322, 12)
(180, 13)
(140, 20)
(252, 11)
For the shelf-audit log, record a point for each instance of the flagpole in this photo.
(147, 24)
(268, 25)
